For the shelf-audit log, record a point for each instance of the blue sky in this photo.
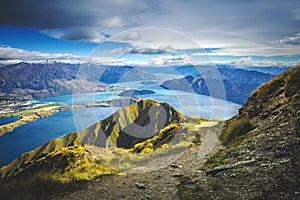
(242, 33)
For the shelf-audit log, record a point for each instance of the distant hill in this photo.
(117, 74)
(227, 73)
(238, 83)
(43, 80)
(261, 146)
(132, 92)
(53, 79)
(270, 70)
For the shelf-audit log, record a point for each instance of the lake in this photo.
(34, 134)
(6, 120)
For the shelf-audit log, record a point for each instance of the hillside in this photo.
(233, 91)
(255, 76)
(260, 157)
(257, 156)
(238, 83)
(117, 74)
(41, 80)
(133, 124)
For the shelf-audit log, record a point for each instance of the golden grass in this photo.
(235, 129)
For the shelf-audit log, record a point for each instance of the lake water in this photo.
(34, 134)
(6, 120)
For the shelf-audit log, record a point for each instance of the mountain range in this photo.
(238, 84)
(41, 80)
(257, 156)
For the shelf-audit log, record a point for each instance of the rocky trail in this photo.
(154, 181)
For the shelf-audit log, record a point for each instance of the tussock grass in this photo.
(235, 130)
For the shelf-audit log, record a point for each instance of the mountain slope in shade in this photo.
(132, 124)
(227, 73)
(43, 80)
(117, 74)
(260, 158)
(233, 91)
(127, 127)
(238, 83)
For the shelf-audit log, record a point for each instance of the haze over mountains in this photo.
(25, 80)
(52, 79)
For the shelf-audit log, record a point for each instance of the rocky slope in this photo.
(260, 159)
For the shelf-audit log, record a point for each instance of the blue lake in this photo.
(34, 134)
(6, 120)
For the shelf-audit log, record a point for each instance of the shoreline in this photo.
(49, 109)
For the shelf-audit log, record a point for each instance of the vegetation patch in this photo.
(58, 171)
(235, 130)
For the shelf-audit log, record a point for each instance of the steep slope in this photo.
(127, 127)
(260, 158)
(132, 124)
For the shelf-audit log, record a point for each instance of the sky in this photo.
(152, 33)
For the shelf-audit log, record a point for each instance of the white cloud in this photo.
(105, 60)
(249, 61)
(9, 55)
(113, 22)
(116, 51)
(138, 49)
(171, 60)
(128, 36)
(289, 41)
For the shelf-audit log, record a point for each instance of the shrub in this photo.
(235, 130)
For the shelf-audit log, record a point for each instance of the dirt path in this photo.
(144, 183)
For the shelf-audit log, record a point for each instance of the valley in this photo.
(173, 156)
(149, 100)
